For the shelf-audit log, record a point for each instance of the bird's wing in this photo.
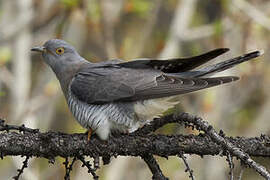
(175, 65)
(114, 84)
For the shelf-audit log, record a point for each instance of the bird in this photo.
(122, 96)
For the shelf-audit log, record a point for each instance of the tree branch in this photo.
(88, 165)
(231, 165)
(20, 171)
(233, 149)
(26, 142)
(68, 167)
(154, 167)
(52, 144)
(188, 169)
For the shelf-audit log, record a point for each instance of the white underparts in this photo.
(104, 131)
(150, 109)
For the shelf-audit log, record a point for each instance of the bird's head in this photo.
(58, 54)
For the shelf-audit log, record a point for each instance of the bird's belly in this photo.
(115, 116)
(123, 117)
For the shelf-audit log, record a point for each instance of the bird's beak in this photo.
(39, 49)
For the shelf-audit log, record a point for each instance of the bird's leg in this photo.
(90, 131)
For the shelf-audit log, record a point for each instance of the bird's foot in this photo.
(89, 134)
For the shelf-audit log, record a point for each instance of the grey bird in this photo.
(122, 96)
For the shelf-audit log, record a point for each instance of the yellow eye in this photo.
(60, 50)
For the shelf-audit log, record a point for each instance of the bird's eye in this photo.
(60, 50)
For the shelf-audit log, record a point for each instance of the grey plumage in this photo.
(117, 95)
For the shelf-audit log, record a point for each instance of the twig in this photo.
(68, 168)
(241, 172)
(188, 169)
(154, 167)
(88, 165)
(22, 128)
(154, 125)
(254, 13)
(199, 124)
(20, 171)
(208, 129)
(229, 159)
(96, 162)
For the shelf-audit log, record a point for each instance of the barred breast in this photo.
(123, 117)
(103, 118)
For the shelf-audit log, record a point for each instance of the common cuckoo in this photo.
(122, 96)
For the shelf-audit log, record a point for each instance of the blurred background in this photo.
(128, 29)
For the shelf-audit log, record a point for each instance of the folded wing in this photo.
(99, 86)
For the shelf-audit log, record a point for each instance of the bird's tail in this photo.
(215, 68)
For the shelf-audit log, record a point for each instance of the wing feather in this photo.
(175, 65)
(114, 84)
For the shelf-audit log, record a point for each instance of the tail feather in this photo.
(215, 68)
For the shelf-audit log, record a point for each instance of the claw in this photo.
(90, 131)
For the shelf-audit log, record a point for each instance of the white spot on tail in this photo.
(261, 52)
